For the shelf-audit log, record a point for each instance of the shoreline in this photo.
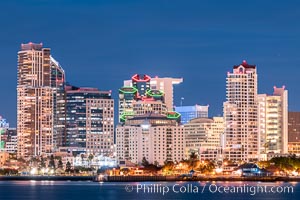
(207, 179)
(147, 178)
(47, 178)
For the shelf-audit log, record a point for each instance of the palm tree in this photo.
(74, 153)
(90, 158)
(82, 157)
(193, 157)
(52, 162)
(68, 167)
(60, 164)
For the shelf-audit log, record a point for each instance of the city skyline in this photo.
(160, 99)
(181, 40)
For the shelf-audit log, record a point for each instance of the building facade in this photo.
(191, 112)
(273, 122)
(10, 140)
(240, 114)
(100, 126)
(294, 133)
(154, 137)
(89, 121)
(203, 137)
(36, 97)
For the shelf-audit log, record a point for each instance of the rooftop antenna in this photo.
(181, 102)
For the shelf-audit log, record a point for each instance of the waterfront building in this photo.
(203, 137)
(97, 161)
(240, 113)
(39, 78)
(89, 120)
(157, 138)
(191, 112)
(147, 129)
(273, 122)
(294, 133)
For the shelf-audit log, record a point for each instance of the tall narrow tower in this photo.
(240, 113)
(38, 80)
(273, 122)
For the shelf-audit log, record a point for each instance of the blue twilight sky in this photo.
(100, 43)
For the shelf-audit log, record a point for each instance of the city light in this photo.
(33, 171)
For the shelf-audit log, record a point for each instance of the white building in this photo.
(100, 126)
(240, 113)
(97, 161)
(203, 136)
(153, 136)
(273, 122)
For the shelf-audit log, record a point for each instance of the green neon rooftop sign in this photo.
(155, 93)
(173, 115)
(128, 90)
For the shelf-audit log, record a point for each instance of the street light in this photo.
(180, 167)
(33, 171)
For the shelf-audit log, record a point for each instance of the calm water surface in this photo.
(61, 190)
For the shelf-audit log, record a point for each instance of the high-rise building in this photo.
(240, 113)
(148, 130)
(58, 83)
(100, 125)
(273, 122)
(203, 137)
(163, 84)
(191, 112)
(294, 133)
(38, 81)
(89, 120)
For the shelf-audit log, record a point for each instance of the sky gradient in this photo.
(101, 43)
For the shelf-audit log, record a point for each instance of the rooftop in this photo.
(245, 64)
(31, 46)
